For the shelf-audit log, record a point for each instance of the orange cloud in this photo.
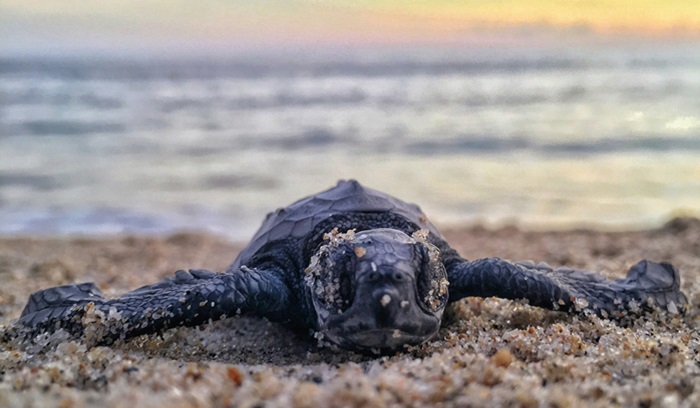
(329, 22)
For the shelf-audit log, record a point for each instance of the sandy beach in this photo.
(490, 352)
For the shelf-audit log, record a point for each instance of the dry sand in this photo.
(490, 352)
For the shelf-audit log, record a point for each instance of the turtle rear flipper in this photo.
(58, 302)
(659, 281)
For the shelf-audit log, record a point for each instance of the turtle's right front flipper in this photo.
(647, 284)
(187, 299)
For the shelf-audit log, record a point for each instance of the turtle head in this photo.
(377, 289)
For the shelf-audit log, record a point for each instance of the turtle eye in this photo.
(342, 273)
(346, 283)
(431, 278)
(331, 279)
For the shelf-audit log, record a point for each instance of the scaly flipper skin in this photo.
(189, 298)
(559, 288)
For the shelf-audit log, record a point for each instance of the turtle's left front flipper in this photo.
(189, 298)
(647, 284)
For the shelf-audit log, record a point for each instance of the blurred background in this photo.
(132, 116)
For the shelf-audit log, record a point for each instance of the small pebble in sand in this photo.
(502, 358)
(234, 375)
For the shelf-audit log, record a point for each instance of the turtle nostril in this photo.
(373, 276)
(398, 276)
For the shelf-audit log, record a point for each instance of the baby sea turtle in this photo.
(362, 269)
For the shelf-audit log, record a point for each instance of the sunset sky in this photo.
(50, 25)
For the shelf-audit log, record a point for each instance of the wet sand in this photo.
(489, 352)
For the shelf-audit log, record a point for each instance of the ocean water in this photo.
(540, 138)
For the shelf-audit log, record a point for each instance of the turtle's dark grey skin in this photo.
(361, 268)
